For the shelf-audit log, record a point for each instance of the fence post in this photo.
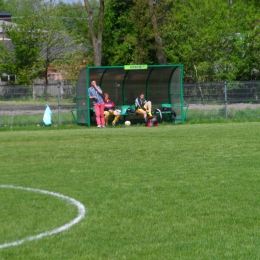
(59, 117)
(225, 90)
(33, 91)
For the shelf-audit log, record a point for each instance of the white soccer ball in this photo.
(128, 123)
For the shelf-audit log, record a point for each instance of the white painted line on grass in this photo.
(81, 214)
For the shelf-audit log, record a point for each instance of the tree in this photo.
(96, 34)
(23, 58)
(2, 5)
(26, 47)
(162, 59)
(72, 14)
(119, 33)
(217, 41)
(206, 40)
(39, 39)
(145, 48)
(75, 20)
(55, 39)
(128, 34)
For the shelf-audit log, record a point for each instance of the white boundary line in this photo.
(81, 214)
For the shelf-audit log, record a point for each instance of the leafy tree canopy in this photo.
(215, 39)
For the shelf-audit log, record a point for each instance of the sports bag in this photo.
(131, 111)
(168, 109)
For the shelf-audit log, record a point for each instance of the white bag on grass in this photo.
(47, 116)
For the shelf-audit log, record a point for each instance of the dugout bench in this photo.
(167, 115)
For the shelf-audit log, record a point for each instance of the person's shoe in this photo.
(113, 124)
(106, 124)
(103, 126)
(99, 126)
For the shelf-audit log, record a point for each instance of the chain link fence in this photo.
(23, 106)
(26, 105)
(214, 100)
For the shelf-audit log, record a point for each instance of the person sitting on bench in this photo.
(143, 107)
(110, 110)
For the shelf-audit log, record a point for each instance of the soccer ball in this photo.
(128, 123)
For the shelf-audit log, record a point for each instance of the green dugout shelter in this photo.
(162, 85)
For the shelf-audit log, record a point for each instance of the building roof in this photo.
(5, 14)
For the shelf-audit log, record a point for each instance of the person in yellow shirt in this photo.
(110, 110)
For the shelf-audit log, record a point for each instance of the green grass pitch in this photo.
(168, 192)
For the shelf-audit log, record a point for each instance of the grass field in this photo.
(168, 192)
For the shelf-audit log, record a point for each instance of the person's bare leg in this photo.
(144, 114)
(149, 108)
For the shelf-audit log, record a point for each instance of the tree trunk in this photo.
(96, 40)
(162, 59)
